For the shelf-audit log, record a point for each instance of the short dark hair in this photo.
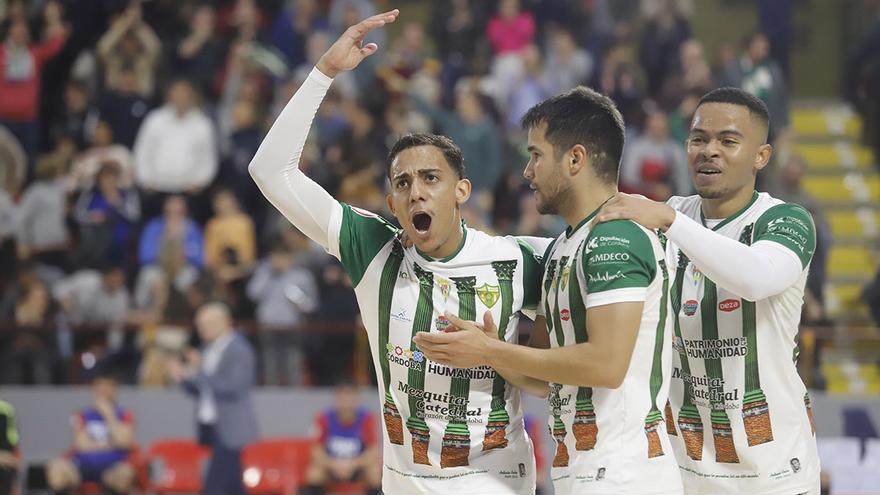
(737, 96)
(582, 116)
(449, 149)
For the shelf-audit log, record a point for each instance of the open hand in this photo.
(348, 51)
(467, 346)
(645, 212)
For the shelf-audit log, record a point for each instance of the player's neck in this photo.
(724, 207)
(585, 201)
(452, 245)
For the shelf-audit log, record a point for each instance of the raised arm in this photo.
(275, 167)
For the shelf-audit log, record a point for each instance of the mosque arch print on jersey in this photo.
(390, 413)
(457, 438)
(583, 425)
(755, 410)
(689, 421)
(418, 428)
(655, 418)
(495, 437)
(560, 459)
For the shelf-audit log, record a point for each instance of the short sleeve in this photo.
(790, 225)
(618, 263)
(532, 269)
(362, 234)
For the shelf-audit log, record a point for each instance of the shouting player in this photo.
(740, 414)
(446, 430)
(604, 299)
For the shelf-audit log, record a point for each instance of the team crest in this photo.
(565, 274)
(697, 274)
(489, 294)
(444, 288)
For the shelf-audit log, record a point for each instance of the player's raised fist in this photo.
(349, 50)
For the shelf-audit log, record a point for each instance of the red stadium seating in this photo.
(176, 466)
(275, 466)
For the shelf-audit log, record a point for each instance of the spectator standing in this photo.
(175, 151)
(123, 107)
(198, 55)
(654, 164)
(664, 33)
(758, 74)
(21, 64)
(221, 378)
(131, 43)
(103, 441)
(42, 231)
(285, 294)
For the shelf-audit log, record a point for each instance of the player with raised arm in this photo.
(446, 430)
(605, 305)
(739, 413)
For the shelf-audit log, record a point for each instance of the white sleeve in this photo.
(275, 168)
(759, 271)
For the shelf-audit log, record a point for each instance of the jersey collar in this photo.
(731, 217)
(464, 232)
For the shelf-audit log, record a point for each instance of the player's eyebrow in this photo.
(421, 171)
(725, 132)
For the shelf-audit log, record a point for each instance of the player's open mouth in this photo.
(708, 170)
(422, 222)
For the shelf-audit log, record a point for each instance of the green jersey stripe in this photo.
(416, 376)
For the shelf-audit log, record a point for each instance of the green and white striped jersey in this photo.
(611, 440)
(446, 430)
(739, 414)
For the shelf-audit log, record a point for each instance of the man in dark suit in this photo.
(221, 378)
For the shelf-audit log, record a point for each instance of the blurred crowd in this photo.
(126, 129)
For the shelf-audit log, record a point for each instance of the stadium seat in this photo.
(176, 466)
(275, 466)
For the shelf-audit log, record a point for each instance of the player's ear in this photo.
(462, 191)
(390, 204)
(762, 158)
(577, 158)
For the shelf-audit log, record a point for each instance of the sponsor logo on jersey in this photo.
(601, 258)
(605, 277)
(600, 474)
(403, 274)
(729, 305)
(441, 323)
(690, 307)
(522, 470)
(404, 357)
(489, 294)
(565, 315)
(593, 243)
(795, 464)
(400, 315)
